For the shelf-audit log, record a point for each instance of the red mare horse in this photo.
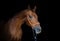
(13, 26)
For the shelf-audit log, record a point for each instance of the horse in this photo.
(13, 26)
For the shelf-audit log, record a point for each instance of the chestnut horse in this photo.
(13, 26)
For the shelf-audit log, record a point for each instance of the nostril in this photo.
(37, 29)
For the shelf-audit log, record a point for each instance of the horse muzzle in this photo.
(37, 29)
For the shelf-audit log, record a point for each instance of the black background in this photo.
(10, 8)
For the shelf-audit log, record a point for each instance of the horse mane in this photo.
(11, 29)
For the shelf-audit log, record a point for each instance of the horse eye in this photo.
(31, 16)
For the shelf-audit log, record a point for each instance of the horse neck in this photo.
(17, 21)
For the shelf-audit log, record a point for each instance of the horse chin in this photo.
(37, 29)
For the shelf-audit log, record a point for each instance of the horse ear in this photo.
(34, 9)
(29, 7)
